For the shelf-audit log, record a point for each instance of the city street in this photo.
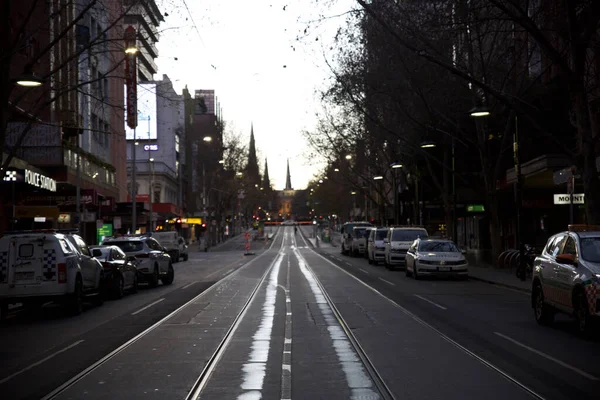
(293, 321)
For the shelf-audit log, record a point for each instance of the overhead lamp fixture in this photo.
(29, 79)
(238, 174)
(320, 180)
(353, 192)
(348, 157)
(479, 111)
(207, 138)
(136, 143)
(395, 165)
(221, 161)
(325, 177)
(378, 177)
(336, 170)
(95, 175)
(151, 159)
(428, 144)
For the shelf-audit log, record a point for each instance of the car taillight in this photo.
(62, 273)
(143, 255)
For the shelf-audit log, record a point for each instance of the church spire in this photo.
(252, 166)
(266, 181)
(288, 179)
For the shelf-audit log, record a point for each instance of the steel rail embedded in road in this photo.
(375, 376)
(222, 346)
(71, 382)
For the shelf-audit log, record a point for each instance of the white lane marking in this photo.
(366, 272)
(148, 306)
(189, 284)
(347, 263)
(546, 356)
(230, 271)
(359, 383)
(286, 340)
(430, 302)
(388, 282)
(286, 359)
(255, 369)
(440, 333)
(43, 360)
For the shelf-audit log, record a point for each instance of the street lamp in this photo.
(238, 174)
(428, 144)
(336, 170)
(348, 157)
(29, 79)
(378, 177)
(150, 193)
(479, 111)
(207, 138)
(395, 166)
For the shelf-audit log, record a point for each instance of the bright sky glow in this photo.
(245, 51)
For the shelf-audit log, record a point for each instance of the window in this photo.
(26, 250)
(381, 234)
(557, 245)
(408, 235)
(156, 195)
(84, 249)
(570, 247)
(119, 254)
(129, 246)
(590, 249)
(66, 249)
(438, 247)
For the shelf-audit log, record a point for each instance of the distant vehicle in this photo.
(397, 242)
(346, 231)
(120, 273)
(152, 260)
(183, 249)
(169, 240)
(428, 257)
(376, 246)
(359, 240)
(566, 278)
(45, 265)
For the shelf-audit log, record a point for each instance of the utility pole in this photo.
(133, 185)
(454, 227)
(518, 201)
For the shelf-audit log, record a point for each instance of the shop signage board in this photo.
(104, 231)
(64, 218)
(117, 222)
(39, 211)
(475, 208)
(578, 198)
(30, 177)
(150, 147)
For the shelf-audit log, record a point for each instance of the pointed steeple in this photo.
(252, 166)
(266, 185)
(288, 178)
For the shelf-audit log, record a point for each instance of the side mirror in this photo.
(565, 259)
(164, 249)
(130, 258)
(463, 251)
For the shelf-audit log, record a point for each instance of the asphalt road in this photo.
(283, 324)
(40, 352)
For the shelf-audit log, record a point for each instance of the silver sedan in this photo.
(428, 257)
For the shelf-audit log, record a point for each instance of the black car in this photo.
(120, 273)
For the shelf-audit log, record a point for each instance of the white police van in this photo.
(44, 265)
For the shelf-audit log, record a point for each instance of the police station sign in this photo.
(38, 180)
(578, 198)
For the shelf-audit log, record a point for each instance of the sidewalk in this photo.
(500, 277)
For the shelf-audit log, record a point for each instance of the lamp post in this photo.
(395, 166)
(151, 192)
(131, 83)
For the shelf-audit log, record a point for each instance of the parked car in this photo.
(439, 257)
(152, 260)
(397, 242)
(44, 265)
(359, 240)
(169, 240)
(566, 277)
(183, 248)
(346, 231)
(120, 272)
(376, 246)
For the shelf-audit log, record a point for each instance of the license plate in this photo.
(24, 276)
(444, 268)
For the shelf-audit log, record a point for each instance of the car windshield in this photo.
(590, 249)
(101, 252)
(381, 234)
(361, 233)
(438, 247)
(408, 235)
(129, 246)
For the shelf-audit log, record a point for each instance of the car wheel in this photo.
(168, 279)
(134, 287)
(75, 299)
(543, 313)
(119, 287)
(582, 315)
(154, 279)
(407, 272)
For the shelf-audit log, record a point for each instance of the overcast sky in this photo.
(245, 51)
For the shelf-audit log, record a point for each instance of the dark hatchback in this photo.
(120, 273)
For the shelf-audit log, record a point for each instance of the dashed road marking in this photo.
(188, 285)
(546, 356)
(43, 360)
(431, 302)
(348, 264)
(148, 306)
(388, 282)
(366, 272)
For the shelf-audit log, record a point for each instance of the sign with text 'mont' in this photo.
(578, 198)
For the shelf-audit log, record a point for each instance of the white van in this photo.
(397, 242)
(41, 266)
(170, 240)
